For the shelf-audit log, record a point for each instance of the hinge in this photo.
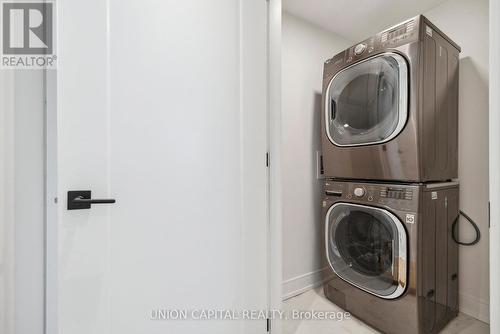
(267, 159)
(268, 325)
(489, 214)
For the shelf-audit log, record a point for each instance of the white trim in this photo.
(50, 201)
(402, 272)
(7, 219)
(403, 99)
(475, 307)
(255, 179)
(494, 166)
(299, 284)
(275, 173)
(51, 239)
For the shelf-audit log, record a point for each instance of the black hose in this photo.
(454, 227)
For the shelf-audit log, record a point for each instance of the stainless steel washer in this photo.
(389, 254)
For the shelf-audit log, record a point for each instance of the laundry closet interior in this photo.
(384, 160)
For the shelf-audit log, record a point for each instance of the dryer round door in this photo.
(367, 103)
(367, 247)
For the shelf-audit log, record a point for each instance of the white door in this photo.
(162, 106)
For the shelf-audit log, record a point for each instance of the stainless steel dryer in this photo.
(390, 107)
(389, 253)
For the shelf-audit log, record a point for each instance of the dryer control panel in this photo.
(397, 34)
(390, 38)
(404, 33)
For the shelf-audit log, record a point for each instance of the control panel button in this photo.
(360, 48)
(359, 192)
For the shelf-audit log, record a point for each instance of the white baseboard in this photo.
(300, 284)
(474, 307)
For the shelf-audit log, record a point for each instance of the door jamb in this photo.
(494, 163)
(274, 93)
(50, 214)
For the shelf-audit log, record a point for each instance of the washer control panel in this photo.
(396, 192)
(399, 197)
(360, 48)
(359, 192)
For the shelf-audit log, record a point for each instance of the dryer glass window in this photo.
(367, 102)
(366, 246)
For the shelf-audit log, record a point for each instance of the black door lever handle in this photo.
(82, 199)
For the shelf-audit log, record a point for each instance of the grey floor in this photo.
(315, 300)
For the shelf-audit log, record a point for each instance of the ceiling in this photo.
(356, 20)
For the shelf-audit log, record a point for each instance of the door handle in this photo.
(333, 193)
(82, 199)
(333, 110)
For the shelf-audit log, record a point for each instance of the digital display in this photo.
(396, 32)
(395, 193)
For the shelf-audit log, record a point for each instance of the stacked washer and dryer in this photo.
(390, 149)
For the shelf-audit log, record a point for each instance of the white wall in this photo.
(466, 22)
(304, 50)
(21, 202)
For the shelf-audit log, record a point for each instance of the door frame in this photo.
(51, 200)
(275, 258)
(494, 163)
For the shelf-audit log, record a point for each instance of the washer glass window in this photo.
(366, 246)
(366, 103)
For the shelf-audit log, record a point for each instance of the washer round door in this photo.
(367, 247)
(366, 103)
